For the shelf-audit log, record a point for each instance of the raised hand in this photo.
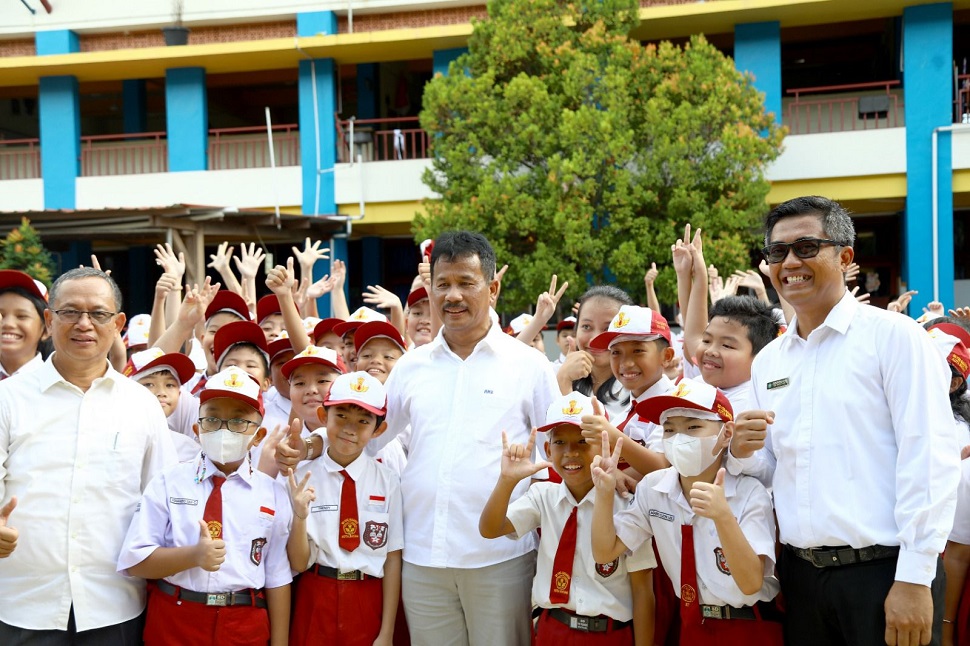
(683, 260)
(166, 283)
(221, 258)
(604, 469)
(338, 272)
(595, 424)
(8, 535)
(547, 301)
(851, 272)
(862, 298)
(750, 430)
(500, 274)
(517, 461)
(901, 303)
(97, 265)
(650, 277)
(300, 495)
(280, 280)
(319, 288)
(310, 254)
(170, 263)
(249, 260)
(291, 449)
(210, 553)
(707, 499)
(382, 298)
(577, 365)
(424, 272)
(962, 313)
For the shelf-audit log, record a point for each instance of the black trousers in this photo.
(128, 633)
(844, 606)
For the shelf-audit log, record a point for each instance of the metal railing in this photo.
(124, 154)
(961, 113)
(232, 148)
(19, 159)
(857, 106)
(381, 139)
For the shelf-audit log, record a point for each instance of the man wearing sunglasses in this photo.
(853, 432)
(78, 443)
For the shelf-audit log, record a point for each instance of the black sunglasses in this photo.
(804, 248)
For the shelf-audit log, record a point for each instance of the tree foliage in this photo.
(23, 250)
(580, 152)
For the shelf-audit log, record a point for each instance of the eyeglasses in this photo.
(100, 317)
(804, 248)
(235, 425)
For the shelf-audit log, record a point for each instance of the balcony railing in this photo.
(840, 108)
(19, 158)
(381, 139)
(125, 154)
(231, 148)
(961, 111)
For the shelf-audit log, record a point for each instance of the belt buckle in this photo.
(816, 558)
(347, 576)
(217, 599)
(711, 612)
(579, 623)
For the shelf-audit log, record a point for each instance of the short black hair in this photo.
(455, 245)
(44, 346)
(86, 272)
(756, 316)
(267, 372)
(835, 218)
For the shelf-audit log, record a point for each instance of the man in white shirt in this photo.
(459, 393)
(853, 430)
(78, 444)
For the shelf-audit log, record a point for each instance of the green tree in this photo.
(23, 250)
(580, 152)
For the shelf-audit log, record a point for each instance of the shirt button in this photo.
(73, 568)
(76, 500)
(73, 534)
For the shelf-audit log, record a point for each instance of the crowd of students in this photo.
(736, 481)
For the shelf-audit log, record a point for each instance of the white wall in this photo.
(22, 195)
(386, 181)
(841, 154)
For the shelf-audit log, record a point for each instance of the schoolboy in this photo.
(580, 601)
(163, 375)
(565, 330)
(324, 337)
(379, 346)
(346, 330)
(243, 344)
(136, 335)
(213, 532)
(348, 528)
(277, 399)
(420, 328)
(722, 572)
(269, 317)
(226, 306)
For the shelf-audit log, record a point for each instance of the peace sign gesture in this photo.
(604, 465)
(301, 495)
(517, 459)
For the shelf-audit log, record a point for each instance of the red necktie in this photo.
(349, 538)
(623, 465)
(199, 385)
(213, 508)
(562, 565)
(690, 605)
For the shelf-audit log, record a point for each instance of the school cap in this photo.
(310, 323)
(426, 247)
(137, 332)
(568, 323)
(690, 399)
(639, 323)
(519, 323)
(266, 307)
(358, 318)
(952, 342)
(234, 383)
(313, 354)
(13, 278)
(359, 388)
(232, 334)
(325, 326)
(148, 362)
(378, 329)
(278, 348)
(568, 409)
(227, 301)
(416, 296)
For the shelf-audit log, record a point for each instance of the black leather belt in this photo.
(586, 624)
(822, 557)
(248, 597)
(727, 612)
(333, 573)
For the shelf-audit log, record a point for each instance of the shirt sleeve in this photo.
(276, 562)
(395, 516)
(524, 513)
(758, 522)
(961, 521)
(760, 464)
(148, 527)
(642, 558)
(633, 525)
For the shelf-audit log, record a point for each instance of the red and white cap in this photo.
(148, 362)
(953, 342)
(417, 295)
(232, 334)
(235, 383)
(137, 332)
(568, 323)
(568, 409)
(519, 323)
(690, 399)
(313, 354)
(310, 323)
(358, 388)
(13, 278)
(228, 301)
(632, 323)
(426, 247)
(324, 327)
(378, 329)
(358, 318)
(267, 306)
(278, 348)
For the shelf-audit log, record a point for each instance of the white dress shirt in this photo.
(77, 462)
(277, 412)
(256, 517)
(660, 508)
(457, 410)
(640, 430)
(594, 589)
(961, 520)
(863, 439)
(35, 362)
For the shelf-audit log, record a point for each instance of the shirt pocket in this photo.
(119, 456)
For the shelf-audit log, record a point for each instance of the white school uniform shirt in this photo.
(594, 589)
(277, 412)
(863, 438)
(739, 396)
(77, 461)
(961, 520)
(35, 362)
(186, 414)
(660, 508)
(457, 410)
(640, 430)
(379, 514)
(256, 518)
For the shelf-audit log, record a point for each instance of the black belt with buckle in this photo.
(334, 573)
(822, 557)
(248, 597)
(727, 612)
(586, 624)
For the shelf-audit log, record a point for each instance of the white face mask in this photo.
(690, 455)
(224, 446)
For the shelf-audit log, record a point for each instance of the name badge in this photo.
(183, 501)
(318, 508)
(779, 383)
(656, 513)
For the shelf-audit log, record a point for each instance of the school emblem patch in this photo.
(215, 529)
(348, 528)
(606, 569)
(621, 320)
(682, 390)
(256, 551)
(722, 565)
(358, 386)
(573, 409)
(561, 581)
(375, 534)
(688, 594)
(233, 381)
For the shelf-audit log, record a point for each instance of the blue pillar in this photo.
(133, 105)
(367, 106)
(60, 123)
(927, 84)
(373, 266)
(317, 105)
(757, 49)
(186, 119)
(61, 41)
(442, 58)
(316, 23)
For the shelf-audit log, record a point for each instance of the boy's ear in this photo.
(195, 429)
(322, 414)
(257, 437)
(668, 355)
(380, 429)
(546, 447)
(727, 432)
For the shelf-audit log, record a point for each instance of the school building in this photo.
(112, 141)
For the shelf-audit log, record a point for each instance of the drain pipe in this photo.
(956, 128)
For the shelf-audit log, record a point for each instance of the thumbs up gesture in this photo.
(209, 553)
(707, 498)
(594, 425)
(8, 535)
(291, 449)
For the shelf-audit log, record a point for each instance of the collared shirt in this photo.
(594, 589)
(961, 520)
(863, 438)
(277, 412)
(256, 517)
(457, 410)
(77, 461)
(739, 396)
(186, 414)
(660, 508)
(379, 514)
(640, 430)
(35, 362)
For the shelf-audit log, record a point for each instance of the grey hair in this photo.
(85, 272)
(836, 221)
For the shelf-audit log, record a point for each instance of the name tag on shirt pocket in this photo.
(315, 509)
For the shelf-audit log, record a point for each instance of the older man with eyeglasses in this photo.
(78, 444)
(854, 433)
